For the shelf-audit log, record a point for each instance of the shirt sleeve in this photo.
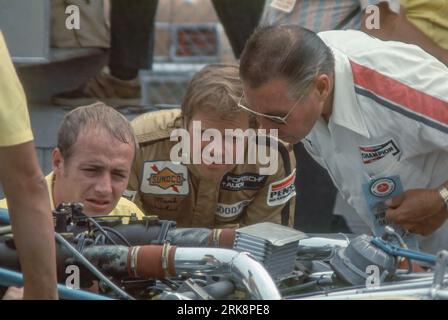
(15, 125)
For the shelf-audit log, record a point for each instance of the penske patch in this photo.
(231, 211)
(370, 154)
(164, 177)
(281, 191)
(245, 181)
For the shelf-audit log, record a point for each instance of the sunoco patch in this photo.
(164, 177)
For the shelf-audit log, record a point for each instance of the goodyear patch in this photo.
(165, 178)
(231, 211)
(281, 191)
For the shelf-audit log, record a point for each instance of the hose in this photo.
(11, 278)
(91, 268)
(401, 252)
(117, 234)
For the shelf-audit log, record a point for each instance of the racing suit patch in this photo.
(167, 203)
(370, 154)
(281, 191)
(245, 181)
(164, 177)
(230, 211)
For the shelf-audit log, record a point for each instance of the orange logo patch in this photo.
(166, 178)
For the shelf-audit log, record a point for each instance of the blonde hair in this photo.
(217, 87)
(97, 115)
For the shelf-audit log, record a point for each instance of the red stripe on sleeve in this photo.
(400, 93)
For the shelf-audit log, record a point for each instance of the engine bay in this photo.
(122, 257)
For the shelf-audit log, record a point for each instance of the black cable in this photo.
(92, 268)
(80, 241)
(119, 235)
(100, 240)
(171, 284)
(100, 228)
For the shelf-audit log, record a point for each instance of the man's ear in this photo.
(323, 86)
(58, 161)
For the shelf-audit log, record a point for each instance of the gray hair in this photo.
(97, 115)
(287, 52)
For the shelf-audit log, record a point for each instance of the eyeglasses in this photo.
(275, 119)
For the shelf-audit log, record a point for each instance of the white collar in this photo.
(346, 109)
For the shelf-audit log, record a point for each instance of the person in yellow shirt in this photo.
(20, 174)
(431, 17)
(92, 161)
(419, 22)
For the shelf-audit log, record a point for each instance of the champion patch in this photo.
(245, 181)
(383, 187)
(230, 211)
(164, 177)
(281, 191)
(374, 153)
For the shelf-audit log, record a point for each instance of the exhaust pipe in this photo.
(153, 261)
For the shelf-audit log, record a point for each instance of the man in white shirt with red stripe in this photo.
(373, 113)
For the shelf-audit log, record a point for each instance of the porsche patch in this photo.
(245, 181)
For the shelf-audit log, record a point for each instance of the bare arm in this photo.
(397, 27)
(29, 207)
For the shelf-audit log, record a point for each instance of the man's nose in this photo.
(103, 185)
